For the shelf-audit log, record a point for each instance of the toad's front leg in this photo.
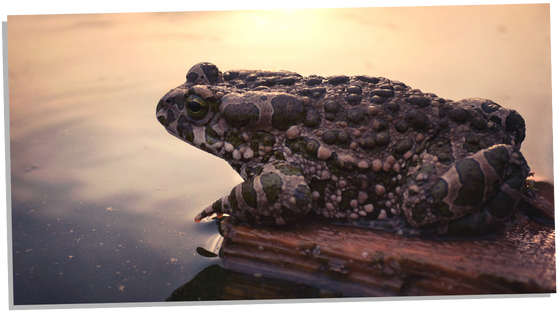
(276, 195)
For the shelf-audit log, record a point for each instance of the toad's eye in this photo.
(197, 107)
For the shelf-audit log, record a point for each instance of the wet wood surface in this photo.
(348, 261)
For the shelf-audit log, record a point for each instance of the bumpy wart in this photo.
(359, 149)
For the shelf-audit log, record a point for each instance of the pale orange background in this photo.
(109, 70)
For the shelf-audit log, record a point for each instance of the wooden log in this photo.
(343, 260)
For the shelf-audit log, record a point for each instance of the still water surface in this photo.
(103, 199)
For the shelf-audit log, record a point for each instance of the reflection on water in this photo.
(217, 283)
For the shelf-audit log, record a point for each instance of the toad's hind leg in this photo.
(497, 209)
(511, 171)
(275, 196)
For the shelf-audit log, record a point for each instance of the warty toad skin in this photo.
(360, 149)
